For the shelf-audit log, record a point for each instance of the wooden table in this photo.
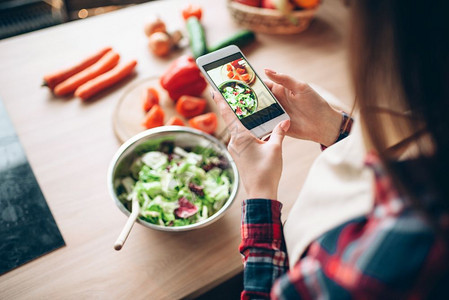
(70, 144)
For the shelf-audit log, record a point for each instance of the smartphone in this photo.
(230, 73)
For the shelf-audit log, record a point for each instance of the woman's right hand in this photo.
(312, 118)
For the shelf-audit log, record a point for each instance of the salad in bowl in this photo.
(241, 98)
(181, 177)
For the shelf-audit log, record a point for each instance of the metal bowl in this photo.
(182, 137)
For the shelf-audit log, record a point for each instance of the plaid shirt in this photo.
(391, 253)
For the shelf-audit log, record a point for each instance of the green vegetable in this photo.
(240, 39)
(161, 144)
(169, 180)
(197, 37)
(240, 97)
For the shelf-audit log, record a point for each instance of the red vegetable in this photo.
(238, 111)
(307, 4)
(51, 80)
(150, 97)
(189, 106)
(240, 70)
(192, 11)
(175, 121)
(183, 77)
(249, 2)
(154, 118)
(186, 208)
(268, 4)
(207, 122)
(106, 63)
(245, 77)
(235, 63)
(104, 80)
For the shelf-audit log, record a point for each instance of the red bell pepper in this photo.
(183, 77)
(191, 89)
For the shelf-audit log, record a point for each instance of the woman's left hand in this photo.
(259, 162)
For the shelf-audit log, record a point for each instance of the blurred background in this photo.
(22, 16)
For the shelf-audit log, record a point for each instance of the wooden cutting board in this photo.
(129, 114)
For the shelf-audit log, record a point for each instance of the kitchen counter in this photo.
(69, 145)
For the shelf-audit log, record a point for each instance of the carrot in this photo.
(104, 80)
(51, 80)
(107, 62)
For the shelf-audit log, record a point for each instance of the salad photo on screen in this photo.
(241, 97)
(241, 87)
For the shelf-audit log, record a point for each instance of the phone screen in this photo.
(245, 93)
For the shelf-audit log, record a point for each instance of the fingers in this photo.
(277, 90)
(239, 133)
(278, 134)
(225, 111)
(286, 81)
(269, 84)
(233, 124)
(282, 79)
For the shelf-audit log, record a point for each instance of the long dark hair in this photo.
(399, 56)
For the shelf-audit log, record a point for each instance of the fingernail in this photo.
(285, 125)
(212, 94)
(270, 71)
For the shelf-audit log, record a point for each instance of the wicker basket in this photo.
(270, 20)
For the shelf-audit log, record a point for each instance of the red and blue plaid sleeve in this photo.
(262, 247)
(390, 253)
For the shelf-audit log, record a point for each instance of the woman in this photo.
(399, 247)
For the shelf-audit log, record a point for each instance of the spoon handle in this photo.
(128, 226)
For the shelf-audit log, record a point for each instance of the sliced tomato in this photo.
(230, 75)
(228, 67)
(238, 111)
(192, 11)
(207, 122)
(175, 121)
(154, 118)
(241, 70)
(150, 97)
(245, 77)
(189, 106)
